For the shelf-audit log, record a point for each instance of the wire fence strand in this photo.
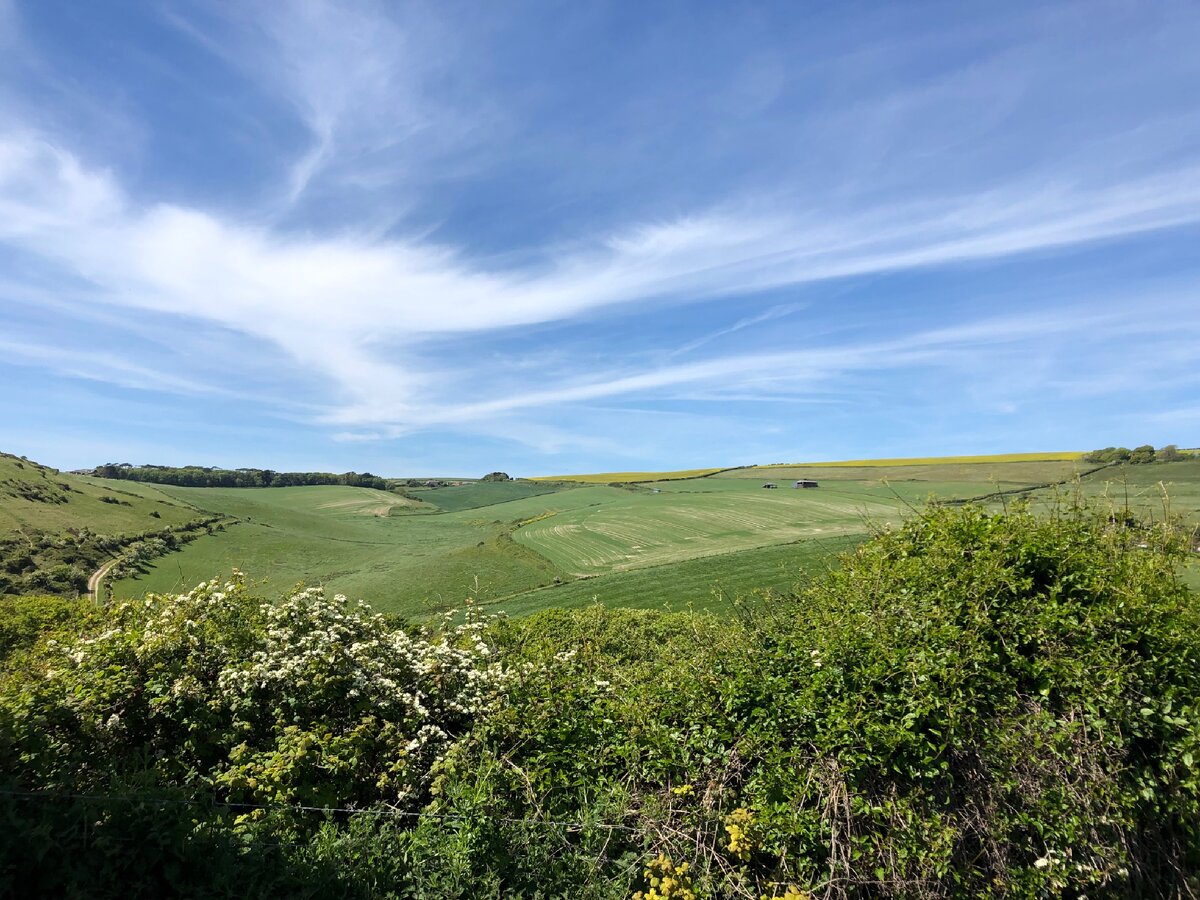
(298, 807)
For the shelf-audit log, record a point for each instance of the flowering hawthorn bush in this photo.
(313, 701)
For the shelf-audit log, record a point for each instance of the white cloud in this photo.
(330, 301)
(375, 86)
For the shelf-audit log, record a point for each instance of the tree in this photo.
(1142, 454)
(496, 476)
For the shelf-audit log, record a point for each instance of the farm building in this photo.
(770, 484)
(805, 483)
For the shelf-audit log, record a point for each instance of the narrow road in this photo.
(96, 578)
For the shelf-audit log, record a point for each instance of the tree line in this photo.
(209, 476)
(1138, 455)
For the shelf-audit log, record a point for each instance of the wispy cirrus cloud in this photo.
(328, 301)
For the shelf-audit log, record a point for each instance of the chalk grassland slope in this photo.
(34, 497)
(628, 477)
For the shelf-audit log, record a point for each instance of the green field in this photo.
(702, 517)
(755, 471)
(520, 546)
(1069, 455)
(709, 583)
(1153, 490)
(363, 543)
(983, 473)
(480, 493)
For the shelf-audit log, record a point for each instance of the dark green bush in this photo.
(973, 705)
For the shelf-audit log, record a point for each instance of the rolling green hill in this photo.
(525, 545)
(409, 560)
(39, 498)
(56, 529)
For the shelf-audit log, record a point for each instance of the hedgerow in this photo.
(970, 705)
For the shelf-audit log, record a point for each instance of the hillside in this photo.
(56, 529)
(522, 546)
(34, 497)
(698, 541)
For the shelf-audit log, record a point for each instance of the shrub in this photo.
(998, 703)
(26, 620)
(972, 705)
(250, 708)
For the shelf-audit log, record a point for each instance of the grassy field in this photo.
(38, 498)
(710, 583)
(524, 545)
(480, 493)
(685, 520)
(421, 563)
(982, 474)
(755, 471)
(1154, 490)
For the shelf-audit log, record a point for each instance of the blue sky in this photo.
(562, 237)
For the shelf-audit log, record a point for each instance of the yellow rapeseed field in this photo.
(626, 477)
(1066, 456)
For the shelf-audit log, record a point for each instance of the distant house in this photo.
(805, 483)
(770, 484)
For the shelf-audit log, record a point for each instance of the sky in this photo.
(558, 237)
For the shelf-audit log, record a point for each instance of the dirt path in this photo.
(96, 578)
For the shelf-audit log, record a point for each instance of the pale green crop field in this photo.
(1157, 490)
(714, 515)
(708, 583)
(1069, 455)
(909, 463)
